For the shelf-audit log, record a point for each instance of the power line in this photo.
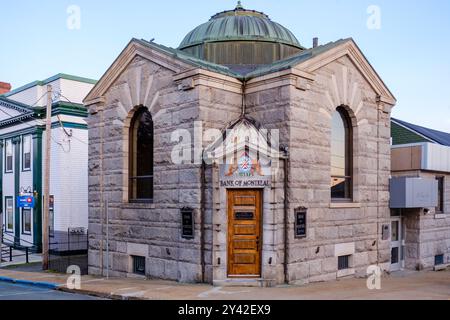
(71, 136)
(37, 120)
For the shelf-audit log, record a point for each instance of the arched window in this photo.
(341, 156)
(141, 156)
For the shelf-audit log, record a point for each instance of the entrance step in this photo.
(261, 283)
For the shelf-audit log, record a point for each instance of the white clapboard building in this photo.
(22, 145)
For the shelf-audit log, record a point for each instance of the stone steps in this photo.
(260, 283)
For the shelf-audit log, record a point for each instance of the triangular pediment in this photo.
(348, 48)
(152, 52)
(244, 136)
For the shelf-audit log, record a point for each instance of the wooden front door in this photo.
(244, 233)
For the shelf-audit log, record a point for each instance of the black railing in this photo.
(14, 247)
(68, 249)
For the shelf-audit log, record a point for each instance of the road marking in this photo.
(164, 288)
(218, 290)
(26, 293)
(136, 294)
(123, 289)
(93, 280)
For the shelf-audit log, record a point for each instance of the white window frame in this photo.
(26, 232)
(24, 151)
(7, 213)
(9, 145)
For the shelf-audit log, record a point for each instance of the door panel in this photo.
(397, 243)
(244, 233)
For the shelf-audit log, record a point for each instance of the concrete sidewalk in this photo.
(427, 285)
(20, 259)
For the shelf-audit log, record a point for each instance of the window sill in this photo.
(344, 205)
(139, 205)
(441, 267)
(345, 273)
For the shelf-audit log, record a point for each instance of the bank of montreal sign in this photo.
(246, 172)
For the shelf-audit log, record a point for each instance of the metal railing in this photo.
(10, 244)
(69, 248)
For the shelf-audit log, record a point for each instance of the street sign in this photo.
(25, 202)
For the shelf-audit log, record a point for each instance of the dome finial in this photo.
(239, 6)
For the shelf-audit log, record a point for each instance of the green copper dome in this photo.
(241, 37)
(240, 24)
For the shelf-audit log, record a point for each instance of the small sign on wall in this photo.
(187, 223)
(245, 172)
(26, 202)
(300, 223)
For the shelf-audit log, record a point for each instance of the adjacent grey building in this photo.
(420, 197)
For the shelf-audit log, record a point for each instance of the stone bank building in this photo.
(311, 205)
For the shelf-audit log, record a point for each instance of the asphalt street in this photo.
(11, 291)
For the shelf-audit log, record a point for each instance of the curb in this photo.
(45, 285)
(101, 295)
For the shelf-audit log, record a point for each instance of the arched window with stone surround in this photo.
(341, 156)
(141, 157)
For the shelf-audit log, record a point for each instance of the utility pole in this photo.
(45, 213)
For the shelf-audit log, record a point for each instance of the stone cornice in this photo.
(98, 102)
(289, 77)
(197, 77)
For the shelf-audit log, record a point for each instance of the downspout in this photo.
(378, 180)
(286, 216)
(244, 107)
(202, 215)
(102, 190)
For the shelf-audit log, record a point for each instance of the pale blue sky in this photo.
(411, 50)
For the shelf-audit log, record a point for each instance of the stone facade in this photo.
(297, 101)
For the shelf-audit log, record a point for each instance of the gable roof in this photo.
(310, 60)
(244, 73)
(47, 81)
(439, 137)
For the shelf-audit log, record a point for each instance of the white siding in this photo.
(69, 178)
(435, 157)
(26, 182)
(29, 96)
(75, 91)
(8, 185)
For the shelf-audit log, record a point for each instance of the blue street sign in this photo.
(25, 202)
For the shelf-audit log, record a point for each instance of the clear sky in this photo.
(410, 49)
